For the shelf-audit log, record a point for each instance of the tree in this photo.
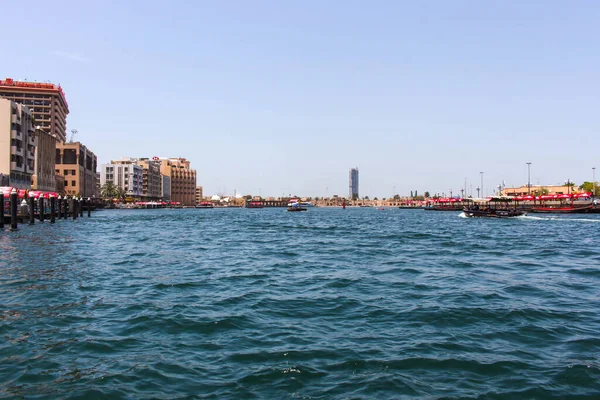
(108, 190)
(589, 188)
(396, 197)
(120, 193)
(366, 198)
(375, 198)
(426, 195)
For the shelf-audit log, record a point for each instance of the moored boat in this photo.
(563, 210)
(254, 204)
(205, 204)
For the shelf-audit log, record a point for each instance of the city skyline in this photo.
(420, 96)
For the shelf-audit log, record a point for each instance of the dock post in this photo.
(59, 206)
(13, 210)
(89, 206)
(74, 211)
(31, 210)
(80, 207)
(2, 203)
(41, 207)
(65, 205)
(52, 208)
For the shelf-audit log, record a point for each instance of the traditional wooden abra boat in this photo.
(579, 203)
(495, 207)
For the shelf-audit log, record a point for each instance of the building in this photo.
(44, 177)
(353, 183)
(125, 174)
(78, 165)
(18, 144)
(151, 180)
(165, 182)
(46, 102)
(183, 180)
(198, 194)
(537, 190)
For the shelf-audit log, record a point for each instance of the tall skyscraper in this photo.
(353, 184)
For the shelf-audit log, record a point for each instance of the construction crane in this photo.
(73, 133)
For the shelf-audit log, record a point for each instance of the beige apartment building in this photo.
(18, 144)
(537, 190)
(183, 179)
(151, 179)
(198, 194)
(77, 164)
(46, 102)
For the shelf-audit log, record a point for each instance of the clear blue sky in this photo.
(285, 97)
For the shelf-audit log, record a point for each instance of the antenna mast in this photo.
(73, 133)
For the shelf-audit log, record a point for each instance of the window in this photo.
(72, 183)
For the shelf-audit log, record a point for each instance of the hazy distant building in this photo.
(18, 144)
(353, 183)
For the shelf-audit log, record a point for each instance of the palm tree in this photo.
(120, 193)
(108, 190)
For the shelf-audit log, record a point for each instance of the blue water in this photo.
(327, 304)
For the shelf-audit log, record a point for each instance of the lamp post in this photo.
(482, 192)
(594, 181)
(477, 188)
(528, 178)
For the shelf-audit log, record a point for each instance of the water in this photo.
(327, 304)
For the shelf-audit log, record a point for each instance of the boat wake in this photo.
(462, 215)
(556, 218)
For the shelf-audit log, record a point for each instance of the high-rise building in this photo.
(46, 102)
(125, 174)
(183, 179)
(78, 165)
(353, 183)
(18, 144)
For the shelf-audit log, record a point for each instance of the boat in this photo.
(205, 204)
(301, 203)
(495, 207)
(254, 204)
(578, 203)
(564, 210)
(491, 213)
(445, 204)
(297, 208)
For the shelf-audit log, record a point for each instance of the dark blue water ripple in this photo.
(356, 303)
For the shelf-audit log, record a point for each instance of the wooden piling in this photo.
(13, 209)
(41, 207)
(89, 207)
(52, 208)
(31, 210)
(75, 211)
(2, 202)
(59, 206)
(81, 207)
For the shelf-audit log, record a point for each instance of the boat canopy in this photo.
(554, 196)
(7, 190)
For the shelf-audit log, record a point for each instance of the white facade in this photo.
(126, 175)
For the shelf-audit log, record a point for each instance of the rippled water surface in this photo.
(327, 304)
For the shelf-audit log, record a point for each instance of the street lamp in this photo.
(482, 192)
(528, 178)
(594, 181)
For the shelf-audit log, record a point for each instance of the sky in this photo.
(281, 97)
